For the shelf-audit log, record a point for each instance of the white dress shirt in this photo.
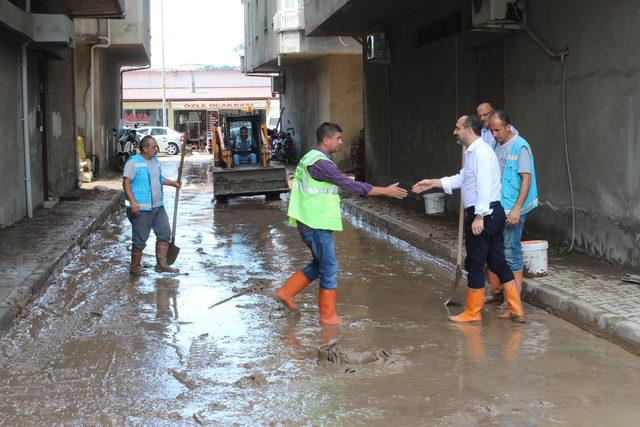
(479, 178)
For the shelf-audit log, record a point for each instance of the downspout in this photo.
(107, 41)
(26, 144)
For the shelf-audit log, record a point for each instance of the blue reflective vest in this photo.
(141, 183)
(511, 180)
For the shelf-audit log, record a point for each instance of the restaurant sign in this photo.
(218, 105)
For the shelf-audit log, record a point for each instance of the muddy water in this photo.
(101, 348)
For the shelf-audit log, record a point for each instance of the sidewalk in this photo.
(34, 250)
(582, 290)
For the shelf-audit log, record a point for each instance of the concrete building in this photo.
(103, 46)
(444, 57)
(321, 76)
(197, 99)
(38, 73)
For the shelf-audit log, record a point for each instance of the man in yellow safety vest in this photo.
(314, 207)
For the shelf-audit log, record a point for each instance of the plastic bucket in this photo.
(434, 203)
(534, 254)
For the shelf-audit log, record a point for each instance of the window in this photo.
(158, 131)
(288, 4)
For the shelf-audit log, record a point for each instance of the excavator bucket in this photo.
(249, 180)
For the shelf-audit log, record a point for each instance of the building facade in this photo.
(103, 47)
(196, 99)
(39, 73)
(321, 77)
(441, 58)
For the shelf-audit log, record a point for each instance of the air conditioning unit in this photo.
(277, 84)
(500, 14)
(376, 47)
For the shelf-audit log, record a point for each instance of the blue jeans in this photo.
(244, 158)
(324, 265)
(142, 224)
(513, 245)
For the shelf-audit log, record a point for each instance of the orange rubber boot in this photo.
(328, 314)
(495, 288)
(514, 310)
(291, 288)
(473, 311)
(518, 277)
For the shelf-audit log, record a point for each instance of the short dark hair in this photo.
(473, 122)
(146, 141)
(245, 128)
(502, 116)
(327, 130)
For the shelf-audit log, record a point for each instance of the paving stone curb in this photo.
(536, 292)
(23, 294)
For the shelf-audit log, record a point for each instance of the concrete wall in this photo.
(327, 89)
(129, 46)
(414, 101)
(603, 100)
(13, 205)
(36, 139)
(106, 100)
(60, 123)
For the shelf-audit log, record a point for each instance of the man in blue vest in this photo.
(519, 194)
(484, 112)
(314, 207)
(142, 182)
(243, 148)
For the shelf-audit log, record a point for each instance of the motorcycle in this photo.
(283, 148)
(128, 144)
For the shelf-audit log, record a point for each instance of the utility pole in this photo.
(164, 88)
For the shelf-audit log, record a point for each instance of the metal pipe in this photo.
(26, 144)
(164, 83)
(107, 41)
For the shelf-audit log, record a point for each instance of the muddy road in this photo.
(101, 348)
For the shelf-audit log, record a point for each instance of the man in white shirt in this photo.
(480, 182)
(484, 111)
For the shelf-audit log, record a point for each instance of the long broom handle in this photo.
(175, 202)
(460, 224)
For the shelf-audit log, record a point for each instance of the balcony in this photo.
(288, 20)
(289, 42)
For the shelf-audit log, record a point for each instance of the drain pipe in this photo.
(107, 41)
(26, 144)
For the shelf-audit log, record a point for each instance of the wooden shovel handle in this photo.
(175, 202)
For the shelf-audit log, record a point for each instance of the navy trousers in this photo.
(486, 248)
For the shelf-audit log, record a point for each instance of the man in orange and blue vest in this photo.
(314, 207)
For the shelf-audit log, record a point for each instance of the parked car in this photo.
(169, 140)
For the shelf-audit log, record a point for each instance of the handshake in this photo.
(397, 192)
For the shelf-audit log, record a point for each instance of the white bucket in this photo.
(534, 254)
(434, 203)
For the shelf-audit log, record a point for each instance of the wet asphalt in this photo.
(102, 348)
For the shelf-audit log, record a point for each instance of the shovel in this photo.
(173, 252)
(456, 281)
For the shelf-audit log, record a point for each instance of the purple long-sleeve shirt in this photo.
(326, 170)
